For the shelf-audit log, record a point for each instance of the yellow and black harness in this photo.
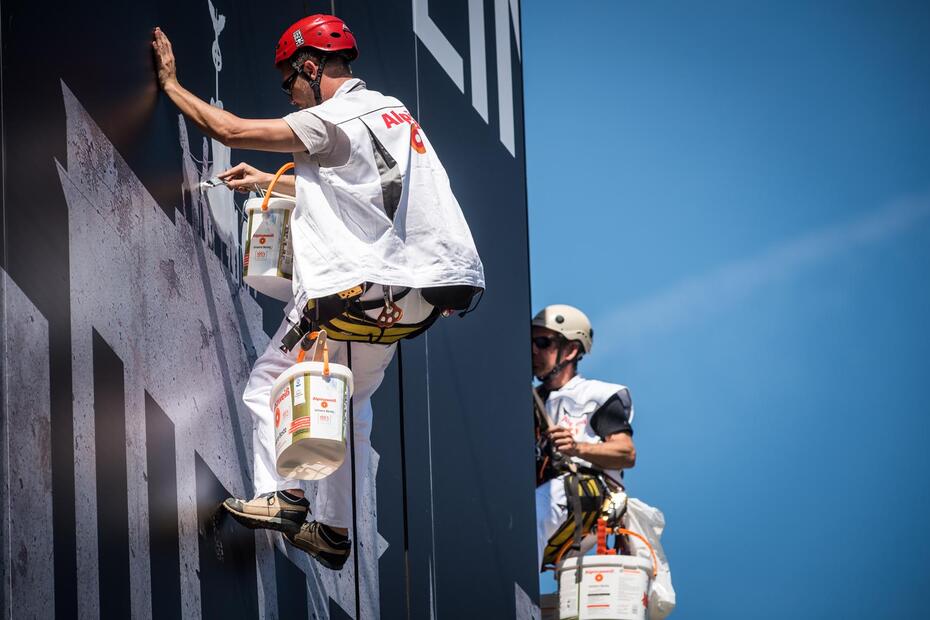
(586, 492)
(344, 315)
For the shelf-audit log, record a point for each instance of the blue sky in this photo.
(738, 194)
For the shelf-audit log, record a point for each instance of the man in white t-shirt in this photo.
(381, 248)
(591, 429)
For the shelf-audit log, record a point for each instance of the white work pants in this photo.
(551, 512)
(333, 505)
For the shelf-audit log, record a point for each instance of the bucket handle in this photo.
(277, 176)
(655, 559)
(619, 531)
(320, 350)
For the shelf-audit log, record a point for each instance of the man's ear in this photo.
(309, 68)
(574, 352)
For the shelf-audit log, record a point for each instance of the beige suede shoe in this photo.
(325, 546)
(270, 511)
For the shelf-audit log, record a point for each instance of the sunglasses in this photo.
(544, 342)
(288, 85)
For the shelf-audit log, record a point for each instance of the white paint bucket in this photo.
(612, 587)
(311, 409)
(268, 257)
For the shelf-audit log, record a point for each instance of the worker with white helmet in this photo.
(584, 433)
(381, 249)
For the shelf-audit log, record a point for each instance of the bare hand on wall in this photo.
(164, 58)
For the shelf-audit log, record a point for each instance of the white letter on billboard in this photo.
(502, 23)
(478, 58)
(437, 43)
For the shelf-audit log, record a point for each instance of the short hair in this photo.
(338, 62)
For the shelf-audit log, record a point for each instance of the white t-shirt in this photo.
(374, 203)
(573, 407)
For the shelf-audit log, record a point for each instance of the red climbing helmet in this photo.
(326, 33)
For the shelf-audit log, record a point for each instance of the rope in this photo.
(655, 559)
(358, 604)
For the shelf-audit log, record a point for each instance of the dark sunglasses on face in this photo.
(288, 85)
(544, 342)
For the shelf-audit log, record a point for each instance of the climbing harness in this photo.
(344, 315)
(585, 493)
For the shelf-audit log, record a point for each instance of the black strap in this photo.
(293, 336)
(315, 313)
(315, 82)
(372, 304)
(354, 489)
(472, 307)
(575, 500)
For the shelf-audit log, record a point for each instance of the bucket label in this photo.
(283, 413)
(264, 250)
(327, 407)
(299, 398)
(615, 592)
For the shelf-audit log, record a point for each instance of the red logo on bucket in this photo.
(285, 394)
(261, 240)
(599, 577)
(277, 417)
(324, 404)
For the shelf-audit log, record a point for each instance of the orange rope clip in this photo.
(277, 176)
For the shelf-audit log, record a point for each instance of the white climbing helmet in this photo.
(568, 321)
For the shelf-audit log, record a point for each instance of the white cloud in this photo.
(701, 296)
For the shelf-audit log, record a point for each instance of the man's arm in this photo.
(259, 134)
(615, 452)
(245, 178)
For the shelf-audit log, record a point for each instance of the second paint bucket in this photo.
(267, 259)
(612, 587)
(311, 410)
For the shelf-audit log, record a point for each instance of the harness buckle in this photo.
(355, 291)
(295, 334)
(391, 313)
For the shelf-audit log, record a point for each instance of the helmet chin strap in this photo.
(315, 82)
(559, 365)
